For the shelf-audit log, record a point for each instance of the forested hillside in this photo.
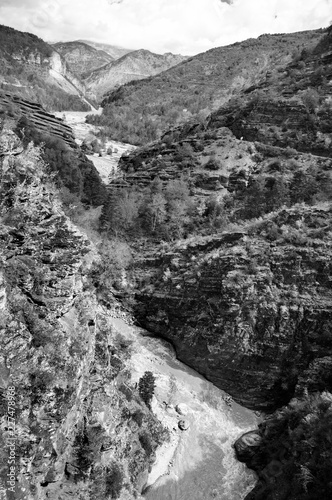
(140, 112)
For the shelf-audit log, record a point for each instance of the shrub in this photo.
(146, 443)
(146, 387)
(310, 99)
(114, 480)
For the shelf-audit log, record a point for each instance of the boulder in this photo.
(247, 445)
(183, 425)
(181, 409)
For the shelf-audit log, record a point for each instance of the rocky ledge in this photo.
(248, 309)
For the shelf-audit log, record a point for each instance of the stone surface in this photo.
(59, 350)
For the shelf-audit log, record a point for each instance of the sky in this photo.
(180, 26)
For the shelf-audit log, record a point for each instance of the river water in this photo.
(198, 463)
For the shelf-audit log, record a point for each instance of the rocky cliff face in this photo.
(78, 422)
(59, 68)
(250, 314)
(33, 69)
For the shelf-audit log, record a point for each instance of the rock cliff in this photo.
(250, 314)
(78, 421)
(34, 70)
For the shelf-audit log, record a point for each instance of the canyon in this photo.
(209, 250)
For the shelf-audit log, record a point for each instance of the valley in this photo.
(165, 273)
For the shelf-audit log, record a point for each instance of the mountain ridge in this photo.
(81, 57)
(138, 64)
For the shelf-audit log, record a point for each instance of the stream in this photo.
(198, 463)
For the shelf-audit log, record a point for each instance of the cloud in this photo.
(183, 26)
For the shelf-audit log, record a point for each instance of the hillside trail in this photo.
(198, 463)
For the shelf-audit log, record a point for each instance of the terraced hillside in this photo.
(70, 166)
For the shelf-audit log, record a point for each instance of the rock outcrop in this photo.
(248, 313)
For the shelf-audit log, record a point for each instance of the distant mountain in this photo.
(135, 65)
(33, 69)
(81, 57)
(198, 85)
(113, 50)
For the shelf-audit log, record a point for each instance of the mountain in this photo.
(240, 283)
(113, 50)
(217, 238)
(141, 111)
(136, 65)
(81, 57)
(33, 69)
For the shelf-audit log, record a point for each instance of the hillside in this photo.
(82, 429)
(70, 168)
(81, 57)
(231, 218)
(34, 70)
(140, 112)
(216, 239)
(136, 65)
(113, 50)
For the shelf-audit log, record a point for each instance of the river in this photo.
(198, 463)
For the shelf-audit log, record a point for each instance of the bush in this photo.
(114, 480)
(146, 387)
(310, 99)
(146, 443)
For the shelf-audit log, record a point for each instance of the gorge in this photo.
(209, 249)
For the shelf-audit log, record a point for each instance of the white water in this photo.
(197, 464)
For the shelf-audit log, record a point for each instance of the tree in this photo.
(310, 99)
(146, 387)
(155, 211)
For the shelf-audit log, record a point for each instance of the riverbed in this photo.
(198, 463)
(105, 164)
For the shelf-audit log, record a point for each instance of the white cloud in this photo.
(185, 26)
